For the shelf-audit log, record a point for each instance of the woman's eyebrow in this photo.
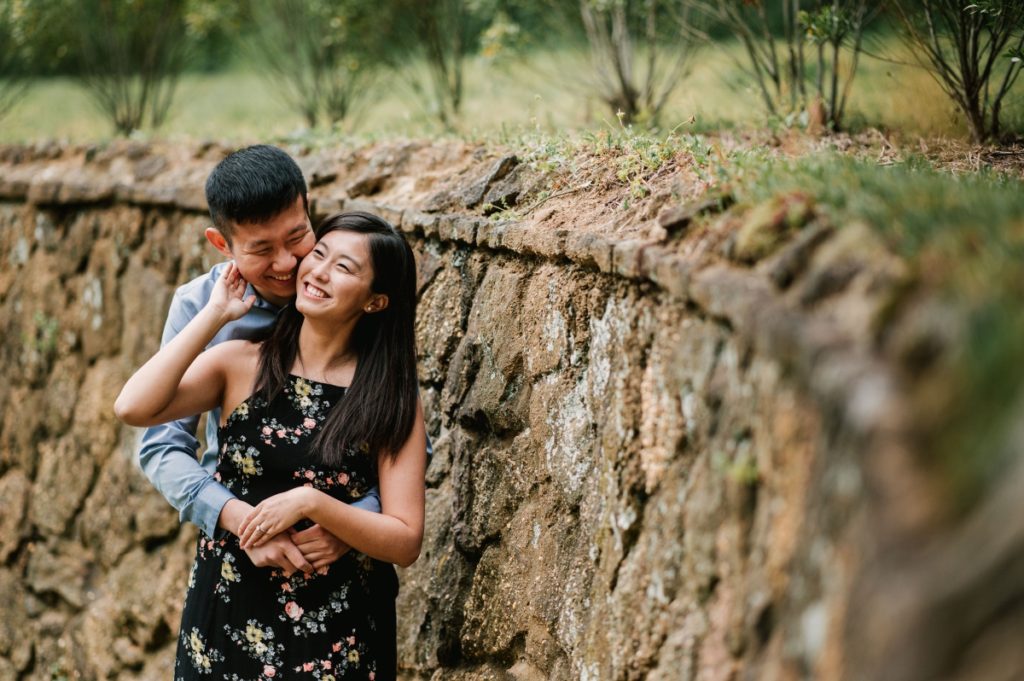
(346, 256)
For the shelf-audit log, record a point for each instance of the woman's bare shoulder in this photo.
(236, 351)
(238, 358)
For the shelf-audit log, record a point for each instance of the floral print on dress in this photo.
(346, 655)
(260, 643)
(201, 656)
(254, 623)
(312, 620)
(325, 480)
(246, 461)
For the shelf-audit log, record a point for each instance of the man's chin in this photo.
(278, 293)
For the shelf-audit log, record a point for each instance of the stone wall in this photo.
(660, 452)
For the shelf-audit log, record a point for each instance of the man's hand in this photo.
(318, 546)
(280, 552)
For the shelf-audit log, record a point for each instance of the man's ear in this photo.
(377, 303)
(218, 241)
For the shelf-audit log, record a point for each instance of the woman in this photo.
(318, 413)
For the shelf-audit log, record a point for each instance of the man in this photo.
(258, 203)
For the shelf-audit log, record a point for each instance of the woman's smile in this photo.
(314, 292)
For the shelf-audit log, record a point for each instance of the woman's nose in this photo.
(320, 270)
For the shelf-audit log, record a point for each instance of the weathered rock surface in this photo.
(660, 451)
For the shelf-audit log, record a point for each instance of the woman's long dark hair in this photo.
(379, 408)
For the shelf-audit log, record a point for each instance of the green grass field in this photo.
(545, 90)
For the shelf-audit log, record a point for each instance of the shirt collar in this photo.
(261, 302)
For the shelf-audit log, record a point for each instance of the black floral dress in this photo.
(247, 623)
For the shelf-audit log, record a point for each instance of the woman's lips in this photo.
(314, 292)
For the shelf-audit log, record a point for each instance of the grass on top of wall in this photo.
(964, 236)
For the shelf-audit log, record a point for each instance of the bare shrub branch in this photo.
(320, 54)
(777, 61)
(973, 50)
(132, 55)
(640, 52)
(13, 83)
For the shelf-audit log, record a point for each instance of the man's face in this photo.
(268, 253)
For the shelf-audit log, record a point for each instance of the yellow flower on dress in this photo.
(353, 656)
(243, 410)
(253, 634)
(327, 677)
(248, 466)
(195, 641)
(227, 572)
(302, 389)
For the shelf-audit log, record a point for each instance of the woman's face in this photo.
(334, 280)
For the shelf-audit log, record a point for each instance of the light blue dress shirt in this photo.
(168, 453)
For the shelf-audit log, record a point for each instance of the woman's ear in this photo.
(218, 241)
(376, 304)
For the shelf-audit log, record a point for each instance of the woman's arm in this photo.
(182, 380)
(394, 535)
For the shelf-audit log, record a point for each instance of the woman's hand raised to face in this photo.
(228, 295)
(273, 516)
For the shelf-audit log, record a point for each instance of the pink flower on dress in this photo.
(336, 647)
(326, 664)
(307, 666)
(286, 587)
(309, 424)
(351, 640)
(298, 431)
(281, 432)
(292, 609)
(343, 478)
(372, 676)
(310, 475)
(269, 671)
(267, 430)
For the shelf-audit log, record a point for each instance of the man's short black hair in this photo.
(253, 185)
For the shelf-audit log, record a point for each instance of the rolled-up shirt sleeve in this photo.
(168, 459)
(369, 501)
(168, 452)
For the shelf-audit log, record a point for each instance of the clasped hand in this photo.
(311, 549)
(272, 516)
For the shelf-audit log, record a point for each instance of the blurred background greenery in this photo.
(85, 70)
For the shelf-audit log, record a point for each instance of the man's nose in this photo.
(284, 261)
